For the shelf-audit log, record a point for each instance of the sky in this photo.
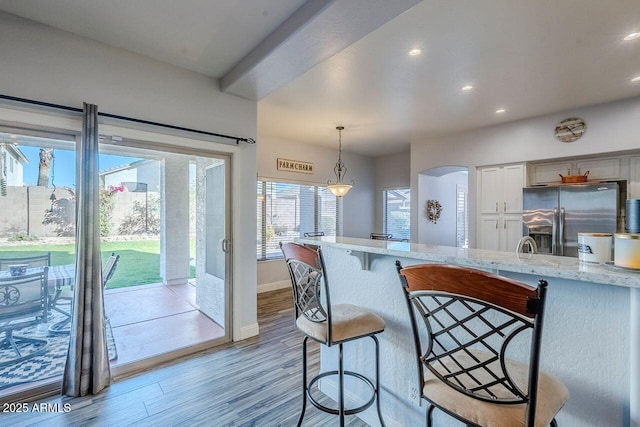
(63, 168)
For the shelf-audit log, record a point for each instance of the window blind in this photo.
(286, 211)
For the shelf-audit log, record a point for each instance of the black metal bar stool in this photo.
(329, 325)
(465, 322)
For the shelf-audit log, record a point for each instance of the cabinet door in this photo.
(634, 178)
(513, 181)
(549, 172)
(490, 233)
(600, 169)
(511, 232)
(491, 190)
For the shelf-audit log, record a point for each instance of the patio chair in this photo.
(63, 299)
(35, 261)
(23, 303)
(314, 234)
(380, 236)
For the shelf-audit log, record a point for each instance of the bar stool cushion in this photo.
(552, 395)
(348, 322)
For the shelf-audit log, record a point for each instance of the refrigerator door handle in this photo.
(561, 233)
(554, 233)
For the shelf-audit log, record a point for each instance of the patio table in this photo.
(58, 276)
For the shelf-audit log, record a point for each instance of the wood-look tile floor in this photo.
(255, 382)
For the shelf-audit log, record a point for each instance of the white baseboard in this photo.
(266, 287)
(247, 332)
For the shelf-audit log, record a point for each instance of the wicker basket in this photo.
(574, 179)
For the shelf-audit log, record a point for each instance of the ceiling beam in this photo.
(316, 31)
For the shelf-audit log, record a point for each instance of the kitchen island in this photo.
(590, 338)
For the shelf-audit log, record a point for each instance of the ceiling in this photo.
(317, 64)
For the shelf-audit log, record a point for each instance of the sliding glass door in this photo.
(37, 229)
(166, 252)
(168, 222)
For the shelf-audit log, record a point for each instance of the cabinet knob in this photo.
(504, 225)
(496, 224)
(505, 207)
(496, 206)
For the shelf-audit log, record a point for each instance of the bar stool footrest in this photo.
(335, 411)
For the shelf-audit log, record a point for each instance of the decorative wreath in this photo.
(433, 210)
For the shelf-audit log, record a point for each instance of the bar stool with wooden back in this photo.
(329, 325)
(465, 323)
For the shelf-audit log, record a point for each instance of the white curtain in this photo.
(87, 368)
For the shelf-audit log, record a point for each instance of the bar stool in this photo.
(329, 325)
(469, 321)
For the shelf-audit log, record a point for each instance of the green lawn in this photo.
(139, 262)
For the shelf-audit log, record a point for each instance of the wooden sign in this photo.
(295, 166)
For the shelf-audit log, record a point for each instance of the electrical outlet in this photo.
(414, 394)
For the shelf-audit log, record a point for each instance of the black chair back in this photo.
(306, 269)
(34, 261)
(109, 268)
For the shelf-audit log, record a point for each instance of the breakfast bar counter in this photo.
(590, 338)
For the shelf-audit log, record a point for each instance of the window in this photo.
(462, 220)
(287, 211)
(397, 212)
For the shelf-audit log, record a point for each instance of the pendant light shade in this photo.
(339, 189)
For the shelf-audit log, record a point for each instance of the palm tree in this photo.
(46, 154)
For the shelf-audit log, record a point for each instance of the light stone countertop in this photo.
(545, 266)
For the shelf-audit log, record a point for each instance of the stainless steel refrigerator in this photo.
(553, 216)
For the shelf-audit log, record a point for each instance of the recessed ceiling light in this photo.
(636, 79)
(631, 36)
(467, 87)
(500, 111)
(415, 52)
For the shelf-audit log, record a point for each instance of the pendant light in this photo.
(339, 189)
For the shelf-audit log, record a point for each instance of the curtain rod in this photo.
(129, 119)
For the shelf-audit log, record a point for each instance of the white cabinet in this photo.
(501, 189)
(500, 232)
(500, 206)
(550, 172)
(491, 193)
(513, 179)
(599, 169)
(511, 232)
(634, 178)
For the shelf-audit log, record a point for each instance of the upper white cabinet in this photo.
(599, 169)
(500, 206)
(501, 189)
(550, 172)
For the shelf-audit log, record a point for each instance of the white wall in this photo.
(357, 213)
(611, 127)
(391, 172)
(444, 190)
(15, 171)
(45, 64)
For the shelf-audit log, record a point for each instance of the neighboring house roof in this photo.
(16, 152)
(127, 166)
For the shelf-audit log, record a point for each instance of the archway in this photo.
(443, 216)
